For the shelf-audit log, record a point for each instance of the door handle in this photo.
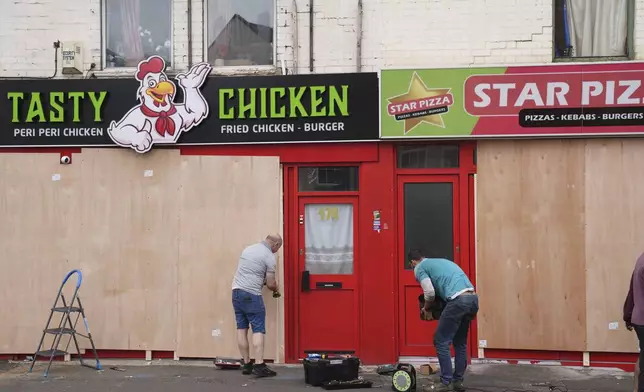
(306, 281)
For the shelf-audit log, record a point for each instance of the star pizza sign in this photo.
(420, 104)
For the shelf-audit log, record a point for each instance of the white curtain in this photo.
(328, 238)
(598, 28)
(132, 46)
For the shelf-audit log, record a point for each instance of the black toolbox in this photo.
(320, 370)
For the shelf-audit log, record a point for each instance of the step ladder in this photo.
(66, 327)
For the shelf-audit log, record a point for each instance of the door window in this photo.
(429, 223)
(328, 239)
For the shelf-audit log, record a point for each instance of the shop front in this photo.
(545, 210)
(524, 176)
(152, 187)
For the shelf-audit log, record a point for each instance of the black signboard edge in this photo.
(170, 145)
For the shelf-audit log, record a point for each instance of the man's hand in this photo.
(629, 326)
(271, 282)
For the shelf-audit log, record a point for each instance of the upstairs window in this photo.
(240, 32)
(135, 30)
(592, 28)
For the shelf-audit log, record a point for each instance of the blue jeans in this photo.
(249, 309)
(453, 325)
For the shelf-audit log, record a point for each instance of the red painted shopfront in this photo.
(419, 195)
(424, 195)
(370, 201)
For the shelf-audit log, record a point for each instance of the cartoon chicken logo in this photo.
(158, 119)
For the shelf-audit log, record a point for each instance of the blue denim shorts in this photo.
(249, 309)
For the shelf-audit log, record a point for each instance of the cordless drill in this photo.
(276, 294)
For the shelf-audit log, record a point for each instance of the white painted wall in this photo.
(395, 33)
(28, 29)
(423, 33)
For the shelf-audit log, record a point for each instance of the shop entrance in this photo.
(328, 304)
(432, 209)
(327, 293)
(428, 220)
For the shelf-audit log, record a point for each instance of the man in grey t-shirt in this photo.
(256, 266)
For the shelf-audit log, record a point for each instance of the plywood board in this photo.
(129, 245)
(38, 205)
(227, 203)
(530, 228)
(615, 223)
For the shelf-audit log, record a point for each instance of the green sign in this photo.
(283, 102)
(426, 103)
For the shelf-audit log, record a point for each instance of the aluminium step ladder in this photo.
(66, 327)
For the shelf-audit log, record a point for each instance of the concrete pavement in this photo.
(170, 376)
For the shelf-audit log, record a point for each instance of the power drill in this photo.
(276, 294)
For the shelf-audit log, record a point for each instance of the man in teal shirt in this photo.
(444, 279)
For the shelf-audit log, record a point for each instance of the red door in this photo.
(427, 219)
(328, 298)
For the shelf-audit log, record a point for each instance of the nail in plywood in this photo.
(128, 246)
(227, 203)
(530, 267)
(615, 223)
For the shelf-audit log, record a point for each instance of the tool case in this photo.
(317, 371)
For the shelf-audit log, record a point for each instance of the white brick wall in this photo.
(395, 33)
(423, 33)
(28, 29)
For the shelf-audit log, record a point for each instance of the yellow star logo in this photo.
(418, 90)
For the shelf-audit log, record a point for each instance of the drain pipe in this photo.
(296, 41)
(311, 19)
(189, 33)
(359, 43)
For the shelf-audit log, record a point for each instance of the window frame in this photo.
(233, 68)
(328, 191)
(129, 70)
(424, 146)
(630, 42)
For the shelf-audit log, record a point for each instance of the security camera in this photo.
(65, 159)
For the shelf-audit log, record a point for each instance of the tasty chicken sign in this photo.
(150, 108)
(562, 100)
(158, 119)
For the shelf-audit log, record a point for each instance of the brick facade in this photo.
(395, 33)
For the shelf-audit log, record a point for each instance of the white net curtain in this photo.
(328, 237)
(137, 29)
(591, 28)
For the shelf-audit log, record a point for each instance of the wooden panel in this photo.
(227, 203)
(128, 246)
(615, 223)
(39, 220)
(530, 263)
